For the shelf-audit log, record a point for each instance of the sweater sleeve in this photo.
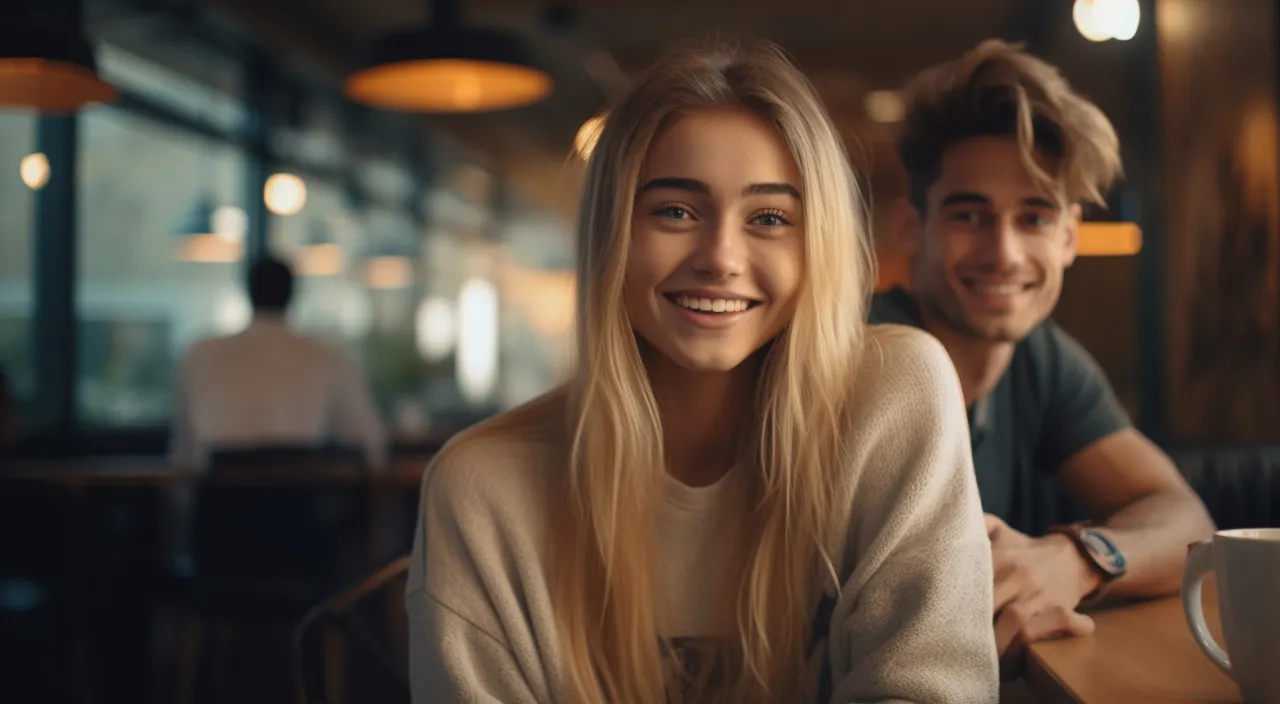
(916, 625)
(472, 589)
(455, 661)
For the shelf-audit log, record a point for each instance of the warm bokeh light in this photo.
(545, 298)
(34, 170)
(448, 85)
(1108, 239)
(321, 259)
(884, 106)
(209, 248)
(435, 329)
(285, 194)
(588, 135)
(477, 339)
(230, 222)
(1100, 20)
(388, 272)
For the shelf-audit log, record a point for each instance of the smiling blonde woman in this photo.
(743, 494)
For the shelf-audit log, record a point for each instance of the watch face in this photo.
(1105, 552)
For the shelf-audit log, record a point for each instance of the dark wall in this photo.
(1223, 255)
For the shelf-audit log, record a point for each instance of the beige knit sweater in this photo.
(911, 621)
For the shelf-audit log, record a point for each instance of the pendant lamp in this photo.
(203, 238)
(321, 255)
(447, 67)
(49, 68)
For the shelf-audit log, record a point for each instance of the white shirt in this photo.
(271, 386)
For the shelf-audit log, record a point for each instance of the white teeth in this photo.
(997, 289)
(709, 305)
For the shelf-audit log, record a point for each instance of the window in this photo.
(161, 230)
(21, 173)
(538, 285)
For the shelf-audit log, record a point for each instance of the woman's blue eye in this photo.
(770, 220)
(674, 212)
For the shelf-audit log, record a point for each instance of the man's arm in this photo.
(1130, 486)
(1118, 478)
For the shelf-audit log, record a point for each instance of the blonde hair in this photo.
(998, 89)
(604, 555)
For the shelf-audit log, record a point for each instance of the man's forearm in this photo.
(1153, 533)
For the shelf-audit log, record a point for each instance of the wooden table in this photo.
(403, 471)
(1140, 653)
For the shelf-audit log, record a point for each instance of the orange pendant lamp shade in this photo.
(52, 71)
(448, 68)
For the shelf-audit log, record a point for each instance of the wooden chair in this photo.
(346, 618)
(274, 530)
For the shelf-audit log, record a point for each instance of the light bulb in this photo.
(34, 170)
(1125, 17)
(1089, 19)
(284, 194)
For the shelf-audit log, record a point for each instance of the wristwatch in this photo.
(1099, 551)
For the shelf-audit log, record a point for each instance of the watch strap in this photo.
(1076, 533)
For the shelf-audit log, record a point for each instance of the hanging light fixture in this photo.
(321, 256)
(49, 68)
(210, 235)
(447, 67)
(388, 270)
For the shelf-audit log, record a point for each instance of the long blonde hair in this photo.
(604, 556)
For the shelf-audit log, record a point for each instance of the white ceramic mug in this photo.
(1246, 564)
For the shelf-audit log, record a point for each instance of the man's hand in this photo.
(1038, 584)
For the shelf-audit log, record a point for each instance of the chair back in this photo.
(1240, 486)
(356, 641)
(282, 515)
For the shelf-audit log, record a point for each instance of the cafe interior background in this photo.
(435, 247)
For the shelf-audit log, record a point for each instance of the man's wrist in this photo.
(1087, 576)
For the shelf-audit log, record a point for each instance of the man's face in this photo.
(991, 247)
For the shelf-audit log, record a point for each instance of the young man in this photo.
(1000, 154)
(269, 386)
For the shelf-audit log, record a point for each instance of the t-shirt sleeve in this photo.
(1080, 406)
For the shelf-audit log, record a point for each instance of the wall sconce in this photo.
(1108, 239)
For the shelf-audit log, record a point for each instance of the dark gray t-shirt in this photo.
(1052, 402)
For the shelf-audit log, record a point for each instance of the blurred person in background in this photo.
(1000, 153)
(744, 494)
(270, 386)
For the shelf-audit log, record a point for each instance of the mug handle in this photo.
(1199, 565)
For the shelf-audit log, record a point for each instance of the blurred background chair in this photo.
(353, 646)
(36, 604)
(1239, 485)
(274, 531)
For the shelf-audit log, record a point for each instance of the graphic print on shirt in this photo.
(701, 667)
(698, 667)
